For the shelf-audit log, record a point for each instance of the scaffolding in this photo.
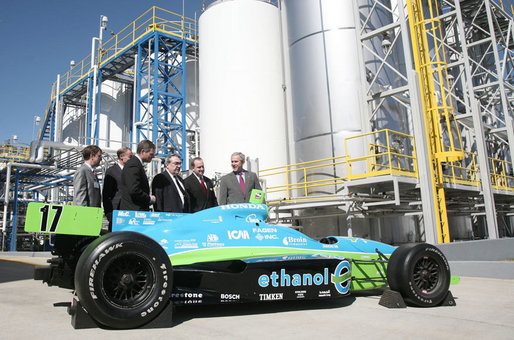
(454, 82)
(449, 65)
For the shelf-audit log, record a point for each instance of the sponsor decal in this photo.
(294, 241)
(271, 297)
(123, 214)
(229, 297)
(330, 246)
(342, 277)
(324, 293)
(154, 215)
(188, 298)
(164, 241)
(213, 244)
(148, 222)
(140, 215)
(133, 221)
(186, 244)
(238, 234)
(120, 220)
(243, 206)
(264, 230)
(261, 237)
(283, 279)
(252, 218)
(300, 294)
(212, 238)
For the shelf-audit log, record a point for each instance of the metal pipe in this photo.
(134, 99)
(6, 202)
(58, 113)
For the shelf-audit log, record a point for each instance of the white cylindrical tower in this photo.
(241, 85)
(325, 76)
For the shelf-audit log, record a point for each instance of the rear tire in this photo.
(123, 279)
(420, 272)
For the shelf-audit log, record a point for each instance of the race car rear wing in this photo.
(46, 218)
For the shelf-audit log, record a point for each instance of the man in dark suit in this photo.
(135, 190)
(111, 193)
(199, 187)
(86, 187)
(236, 187)
(168, 188)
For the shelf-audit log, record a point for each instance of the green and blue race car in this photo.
(226, 254)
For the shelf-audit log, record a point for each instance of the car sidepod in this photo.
(292, 277)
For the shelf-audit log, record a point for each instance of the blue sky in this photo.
(39, 39)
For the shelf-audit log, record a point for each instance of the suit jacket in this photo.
(199, 200)
(230, 190)
(167, 197)
(86, 188)
(135, 190)
(111, 192)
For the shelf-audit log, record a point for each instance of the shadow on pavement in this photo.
(15, 271)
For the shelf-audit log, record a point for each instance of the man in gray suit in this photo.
(236, 187)
(86, 187)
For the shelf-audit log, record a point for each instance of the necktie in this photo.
(203, 185)
(242, 182)
(94, 174)
(181, 190)
(179, 186)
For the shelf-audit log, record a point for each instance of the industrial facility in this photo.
(384, 119)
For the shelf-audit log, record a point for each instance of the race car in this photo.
(226, 254)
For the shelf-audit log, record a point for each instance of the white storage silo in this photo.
(241, 85)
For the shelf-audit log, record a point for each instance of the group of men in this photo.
(126, 186)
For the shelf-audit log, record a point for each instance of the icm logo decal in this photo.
(238, 234)
(342, 277)
(212, 238)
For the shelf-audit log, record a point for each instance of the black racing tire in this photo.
(124, 279)
(420, 272)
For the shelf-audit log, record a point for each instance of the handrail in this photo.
(14, 152)
(390, 153)
(153, 19)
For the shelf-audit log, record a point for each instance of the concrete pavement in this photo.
(485, 308)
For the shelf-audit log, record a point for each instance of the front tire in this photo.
(420, 272)
(123, 279)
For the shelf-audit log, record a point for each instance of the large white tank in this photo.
(325, 76)
(113, 128)
(241, 85)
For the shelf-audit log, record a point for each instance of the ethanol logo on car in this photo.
(340, 278)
